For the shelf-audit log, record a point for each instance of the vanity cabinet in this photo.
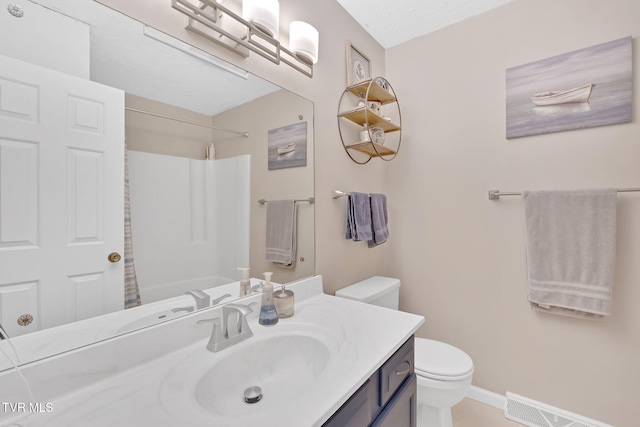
(369, 120)
(386, 399)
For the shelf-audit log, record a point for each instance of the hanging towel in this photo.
(378, 220)
(358, 217)
(570, 243)
(281, 232)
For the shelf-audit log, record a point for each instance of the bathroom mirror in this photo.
(170, 79)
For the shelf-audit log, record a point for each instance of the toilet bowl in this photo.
(443, 371)
(444, 375)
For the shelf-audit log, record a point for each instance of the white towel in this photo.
(281, 232)
(570, 241)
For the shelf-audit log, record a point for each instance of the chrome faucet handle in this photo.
(219, 299)
(258, 287)
(217, 337)
(203, 299)
(245, 309)
(242, 326)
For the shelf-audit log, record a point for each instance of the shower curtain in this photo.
(131, 289)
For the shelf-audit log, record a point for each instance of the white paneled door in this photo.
(61, 197)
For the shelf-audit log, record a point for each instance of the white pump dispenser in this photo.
(245, 283)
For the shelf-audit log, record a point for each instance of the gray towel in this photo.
(571, 241)
(359, 217)
(378, 220)
(281, 232)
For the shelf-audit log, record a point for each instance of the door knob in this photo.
(114, 257)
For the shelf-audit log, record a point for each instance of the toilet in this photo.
(443, 371)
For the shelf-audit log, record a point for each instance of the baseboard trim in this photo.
(487, 397)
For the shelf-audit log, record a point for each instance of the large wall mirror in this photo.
(208, 147)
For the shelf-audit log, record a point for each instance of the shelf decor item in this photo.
(372, 128)
(382, 83)
(358, 65)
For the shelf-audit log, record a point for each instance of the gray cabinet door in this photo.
(401, 410)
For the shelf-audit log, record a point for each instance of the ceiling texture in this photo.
(394, 22)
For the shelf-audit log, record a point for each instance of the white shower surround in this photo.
(195, 232)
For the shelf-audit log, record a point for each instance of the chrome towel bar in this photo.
(496, 194)
(310, 200)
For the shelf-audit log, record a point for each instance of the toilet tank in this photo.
(376, 290)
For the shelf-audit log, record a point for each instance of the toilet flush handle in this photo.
(404, 372)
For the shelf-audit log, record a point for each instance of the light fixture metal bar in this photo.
(308, 73)
(208, 19)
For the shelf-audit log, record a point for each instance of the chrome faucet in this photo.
(229, 332)
(203, 300)
(220, 298)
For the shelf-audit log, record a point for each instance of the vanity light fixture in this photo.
(303, 42)
(264, 15)
(255, 31)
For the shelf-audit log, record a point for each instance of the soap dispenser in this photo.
(268, 313)
(284, 302)
(245, 284)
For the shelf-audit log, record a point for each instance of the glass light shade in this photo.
(303, 42)
(263, 14)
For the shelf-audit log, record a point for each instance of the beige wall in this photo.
(161, 136)
(278, 109)
(460, 256)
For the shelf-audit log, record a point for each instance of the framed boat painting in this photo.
(584, 88)
(287, 146)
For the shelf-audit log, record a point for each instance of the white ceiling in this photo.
(394, 22)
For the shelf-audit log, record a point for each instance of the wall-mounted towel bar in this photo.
(310, 200)
(336, 194)
(495, 194)
(162, 116)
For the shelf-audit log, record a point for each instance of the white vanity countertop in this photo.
(158, 393)
(41, 344)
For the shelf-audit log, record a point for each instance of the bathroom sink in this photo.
(289, 362)
(282, 366)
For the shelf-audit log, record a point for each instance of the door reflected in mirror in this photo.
(194, 183)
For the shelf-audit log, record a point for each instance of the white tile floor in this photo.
(471, 413)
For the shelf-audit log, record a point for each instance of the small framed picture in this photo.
(358, 65)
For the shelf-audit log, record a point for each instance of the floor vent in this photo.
(536, 414)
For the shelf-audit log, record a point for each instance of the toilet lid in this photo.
(441, 360)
